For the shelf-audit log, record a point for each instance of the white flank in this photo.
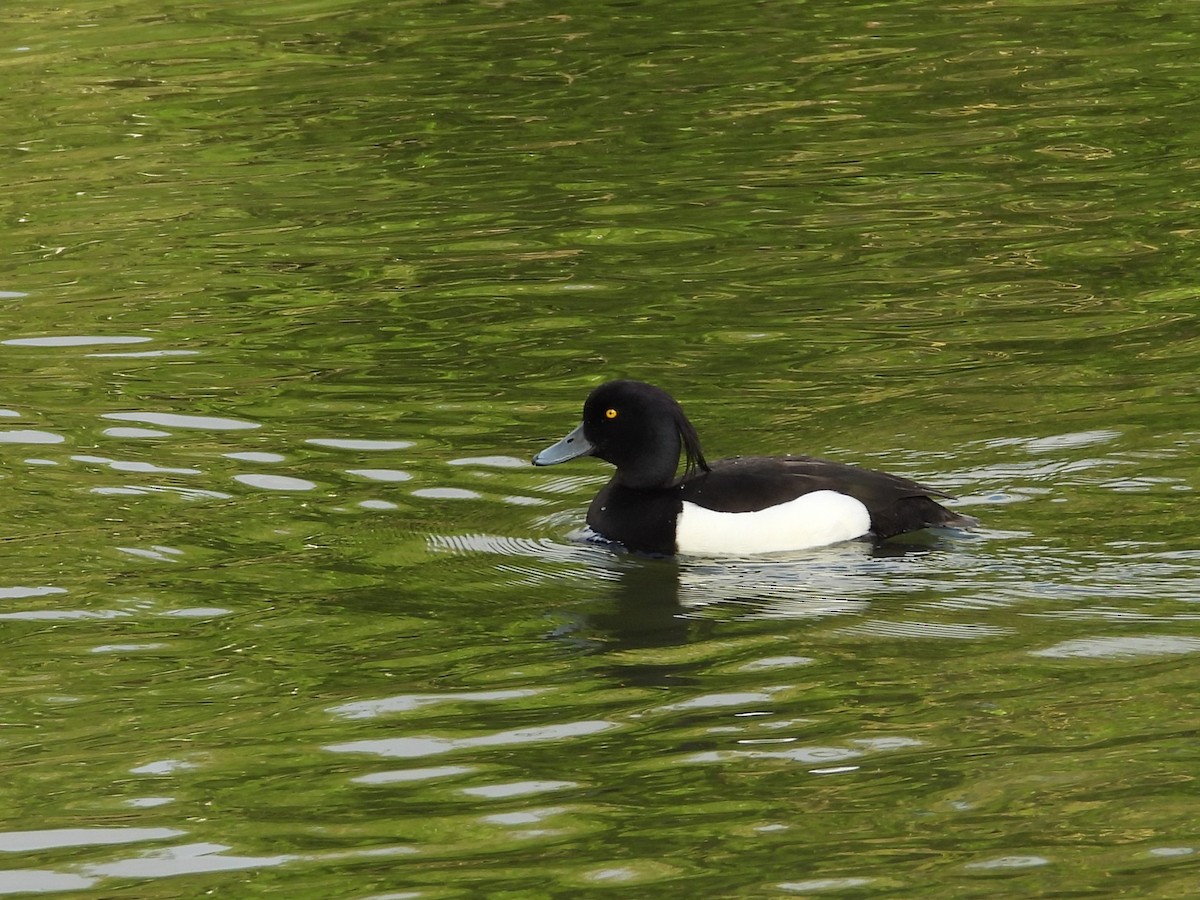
(811, 520)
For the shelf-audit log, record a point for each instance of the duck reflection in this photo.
(623, 601)
(660, 602)
(644, 608)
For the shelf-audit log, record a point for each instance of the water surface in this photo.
(289, 296)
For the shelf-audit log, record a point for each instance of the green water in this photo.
(289, 297)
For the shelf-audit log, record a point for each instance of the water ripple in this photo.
(73, 341)
(275, 482)
(381, 474)
(24, 841)
(180, 420)
(14, 593)
(121, 432)
(30, 436)
(118, 465)
(369, 709)
(415, 747)
(1122, 647)
(359, 444)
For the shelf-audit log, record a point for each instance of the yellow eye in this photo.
(610, 413)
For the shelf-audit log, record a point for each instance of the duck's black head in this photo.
(638, 428)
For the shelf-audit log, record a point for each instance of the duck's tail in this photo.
(917, 512)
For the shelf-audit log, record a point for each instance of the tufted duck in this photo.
(752, 504)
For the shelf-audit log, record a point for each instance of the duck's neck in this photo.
(655, 467)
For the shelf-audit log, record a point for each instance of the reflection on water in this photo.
(1123, 647)
(291, 295)
(653, 599)
(29, 436)
(177, 420)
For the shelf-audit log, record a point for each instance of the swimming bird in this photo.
(741, 505)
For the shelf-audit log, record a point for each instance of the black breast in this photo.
(642, 520)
